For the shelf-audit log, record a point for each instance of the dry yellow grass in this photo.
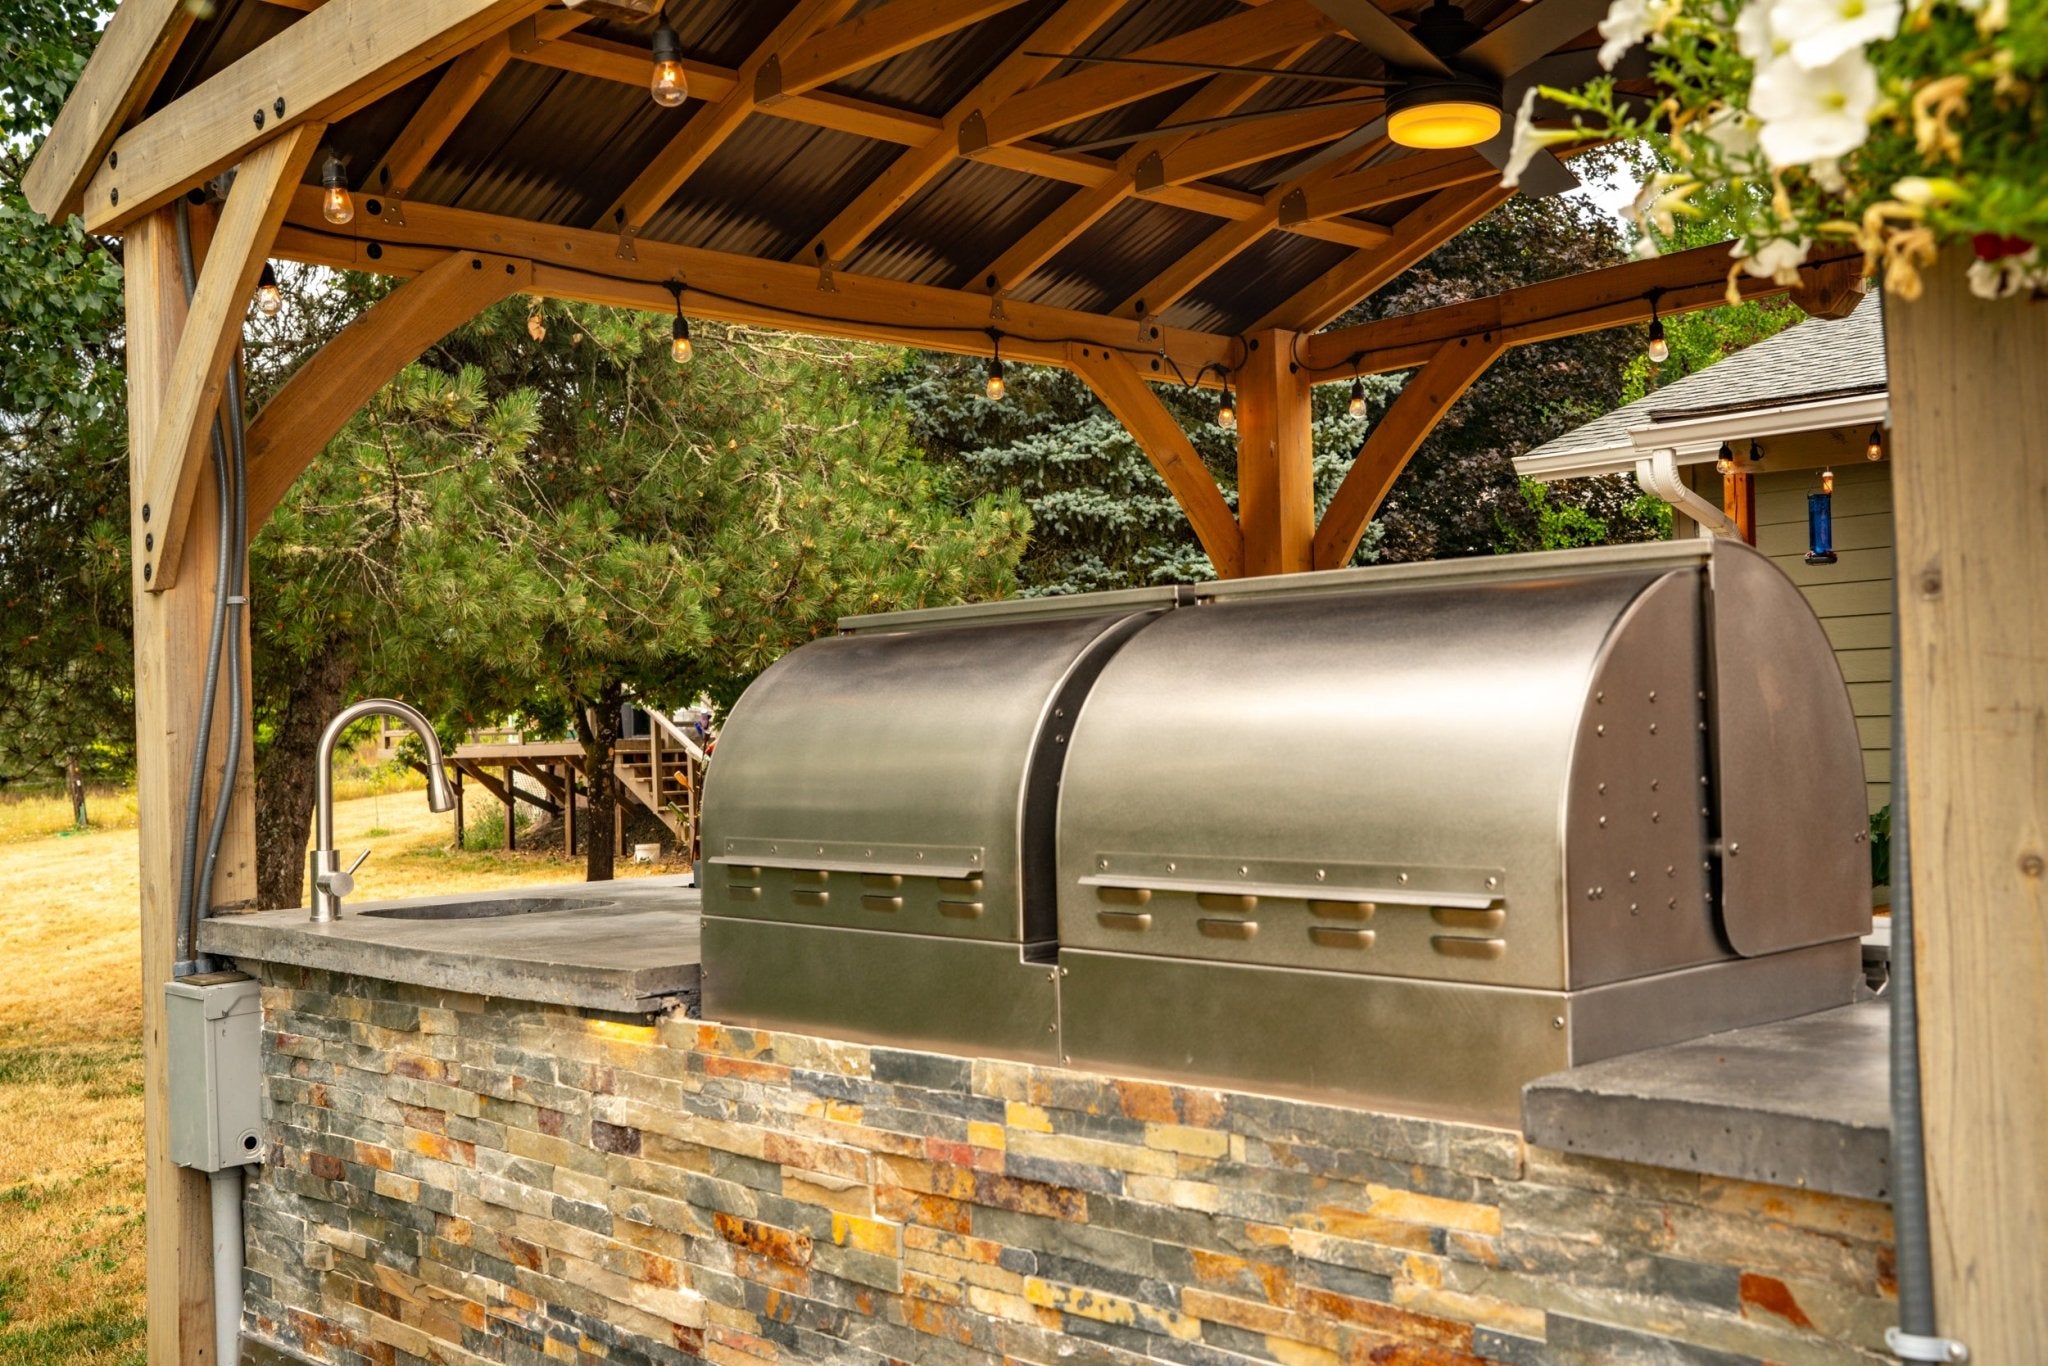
(70, 1062)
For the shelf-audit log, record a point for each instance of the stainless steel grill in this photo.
(1409, 835)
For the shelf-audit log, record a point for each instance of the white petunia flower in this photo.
(1734, 132)
(1779, 258)
(1754, 35)
(1827, 173)
(1819, 31)
(1529, 140)
(1628, 22)
(1809, 113)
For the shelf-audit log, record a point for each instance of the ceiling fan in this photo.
(1450, 83)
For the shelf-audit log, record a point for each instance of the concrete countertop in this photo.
(1802, 1102)
(629, 946)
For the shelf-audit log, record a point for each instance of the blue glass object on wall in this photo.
(1820, 528)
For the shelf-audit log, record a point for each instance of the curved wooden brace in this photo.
(1428, 395)
(1124, 392)
(315, 403)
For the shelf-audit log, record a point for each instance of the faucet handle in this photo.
(339, 883)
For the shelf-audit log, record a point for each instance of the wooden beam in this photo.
(342, 56)
(1617, 296)
(177, 452)
(1226, 149)
(1738, 503)
(1276, 493)
(708, 128)
(1424, 229)
(1085, 208)
(137, 44)
(1124, 392)
(1388, 183)
(584, 264)
(1970, 468)
(1068, 26)
(454, 95)
(1246, 36)
(319, 399)
(1424, 400)
(865, 40)
(1221, 247)
(171, 633)
(1830, 291)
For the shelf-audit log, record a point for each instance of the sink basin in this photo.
(484, 910)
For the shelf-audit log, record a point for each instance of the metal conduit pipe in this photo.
(225, 1188)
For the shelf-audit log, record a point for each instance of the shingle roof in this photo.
(1821, 357)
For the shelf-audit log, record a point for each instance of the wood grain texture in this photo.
(325, 66)
(1276, 495)
(1970, 459)
(1124, 392)
(183, 430)
(325, 392)
(875, 36)
(1424, 400)
(138, 41)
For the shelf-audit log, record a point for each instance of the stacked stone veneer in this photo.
(453, 1179)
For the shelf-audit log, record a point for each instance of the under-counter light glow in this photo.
(668, 83)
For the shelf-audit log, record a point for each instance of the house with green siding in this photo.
(1737, 448)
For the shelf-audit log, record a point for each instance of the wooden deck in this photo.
(662, 773)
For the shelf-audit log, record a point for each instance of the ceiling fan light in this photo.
(1454, 112)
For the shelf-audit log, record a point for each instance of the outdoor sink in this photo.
(481, 910)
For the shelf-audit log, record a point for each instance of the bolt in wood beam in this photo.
(1424, 400)
(182, 433)
(140, 38)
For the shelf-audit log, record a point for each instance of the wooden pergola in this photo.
(895, 170)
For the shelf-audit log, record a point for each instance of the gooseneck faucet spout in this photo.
(330, 883)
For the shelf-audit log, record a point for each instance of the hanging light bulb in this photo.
(995, 387)
(1756, 451)
(679, 344)
(1226, 409)
(1827, 481)
(336, 205)
(269, 298)
(668, 84)
(1660, 350)
(1874, 448)
(1356, 408)
(1724, 461)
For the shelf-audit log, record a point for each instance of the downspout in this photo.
(1658, 473)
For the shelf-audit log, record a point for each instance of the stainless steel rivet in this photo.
(1599, 730)
(1656, 816)
(1243, 870)
(1653, 728)
(1102, 863)
(1653, 694)
(1631, 875)
(1403, 877)
(1557, 1022)
(1734, 848)
(1172, 867)
(1492, 883)
(1320, 875)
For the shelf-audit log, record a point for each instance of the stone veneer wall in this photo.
(452, 1179)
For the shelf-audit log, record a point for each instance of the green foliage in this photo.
(1881, 846)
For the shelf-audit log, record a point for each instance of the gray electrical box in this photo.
(215, 1025)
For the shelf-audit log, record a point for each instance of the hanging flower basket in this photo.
(1895, 126)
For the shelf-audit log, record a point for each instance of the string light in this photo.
(1874, 448)
(1756, 451)
(269, 298)
(1226, 408)
(1357, 405)
(1660, 350)
(668, 83)
(336, 206)
(1827, 481)
(1724, 461)
(679, 345)
(995, 387)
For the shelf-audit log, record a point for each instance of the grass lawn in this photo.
(71, 1205)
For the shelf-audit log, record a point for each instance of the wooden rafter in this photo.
(342, 56)
(1085, 208)
(1617, 296)
(1221, 247)
(1425, 229)
(865, 40)
(454, 95)
(583, 264)
(1124, 392)
(138, 43)
(1226, 149)
(213, 329)
(1246, 36)
(1424, 400)
(708, 128)
(1418, 174)
(318, 400)
(1070, 24)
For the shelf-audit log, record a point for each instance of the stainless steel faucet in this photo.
(330, 883)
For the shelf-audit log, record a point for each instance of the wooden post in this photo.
(1276, 495)
(511, 811)
(171, 630)
(618, 816)
(1970, 483)
(569, 808)
(1738, 503)
(458, 809)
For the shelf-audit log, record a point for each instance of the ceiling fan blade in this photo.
(1342, 147)
(1533, 34)
(1221, 121)
(1543, 177)
(1220, 70)
(1377, 32)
